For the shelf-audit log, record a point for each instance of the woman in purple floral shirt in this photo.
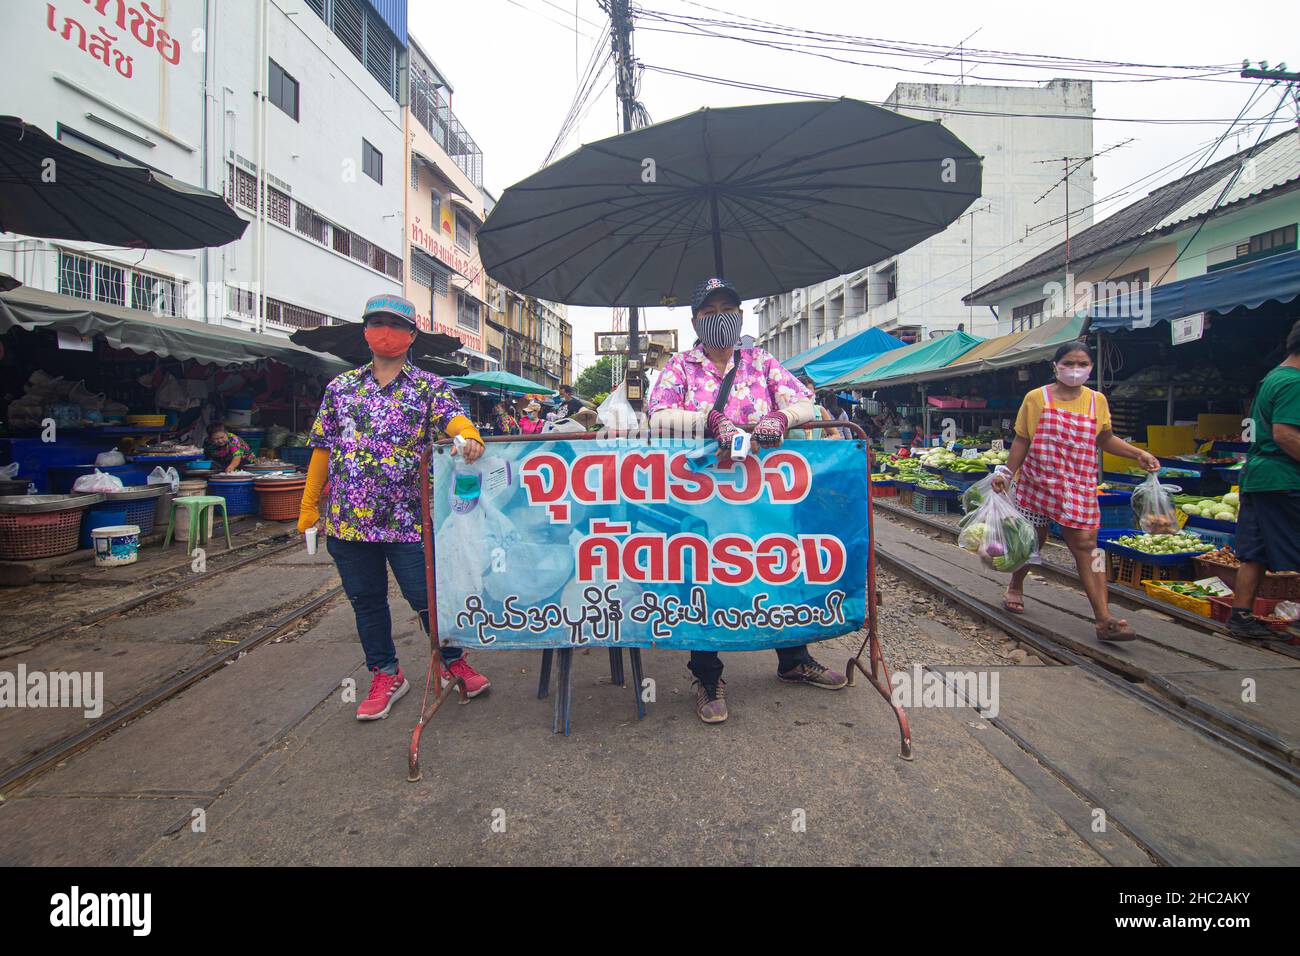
(763, 394)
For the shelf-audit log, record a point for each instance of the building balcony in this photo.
(433, 113)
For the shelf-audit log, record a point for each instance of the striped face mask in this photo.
(719, 331)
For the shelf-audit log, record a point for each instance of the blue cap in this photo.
(707, 288)
(388, 304)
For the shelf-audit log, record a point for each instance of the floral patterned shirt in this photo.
(225, 450)
(691, 381)
(375, 436)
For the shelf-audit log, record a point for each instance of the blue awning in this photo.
(1276, 278)
(846, 353)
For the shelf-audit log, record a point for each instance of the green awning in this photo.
(501, 382)
(918, 357)
(141, 331)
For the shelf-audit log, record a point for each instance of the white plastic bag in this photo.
(107, 459)
(165, 476)
(564, 425)
(9, 472)
(1153, 506)
(98, 481)
(616, 412)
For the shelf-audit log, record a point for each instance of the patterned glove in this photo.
(770, 430)
(719, 426)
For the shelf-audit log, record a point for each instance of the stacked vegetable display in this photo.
(1222, 508)
(1165, 544)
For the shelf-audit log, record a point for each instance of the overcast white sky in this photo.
(514, 64)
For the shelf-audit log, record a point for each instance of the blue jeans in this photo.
(362, 567)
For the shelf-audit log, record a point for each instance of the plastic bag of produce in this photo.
(98, 481)
(974, 496)
(1153, 506)
(165, 476)
(997, 532)
(107, 459)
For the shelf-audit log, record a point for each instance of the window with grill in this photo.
(435, 206)
(245, 188)
(467, 316)
(378, 259)
(1025, 317)
(392, 265)
(110, 284)
(441, 280)
(349, 24)
(242, 300)
(311, 225)
(277, 204)
(282, 89)
(360, 249)
(421, 269)
(381, 52)
(1274, 242)
(343, 241)
(318, 7)
(464, 231)
(372, 162)
(415, 174)
(74, 275)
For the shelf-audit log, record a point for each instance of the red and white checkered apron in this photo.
(1059, 475)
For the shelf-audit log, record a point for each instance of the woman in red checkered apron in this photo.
(1054, 463)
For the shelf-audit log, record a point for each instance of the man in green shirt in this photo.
(1268, 524)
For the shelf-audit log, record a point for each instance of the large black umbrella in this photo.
(431, 351)
(56, 191)
(773, 197)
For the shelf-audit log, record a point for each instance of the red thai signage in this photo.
(145, 26)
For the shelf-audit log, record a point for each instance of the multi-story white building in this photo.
(918, 293)
(289, 108)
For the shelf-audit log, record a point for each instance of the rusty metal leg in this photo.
(616, 666)
(634, 654)
(544, 678)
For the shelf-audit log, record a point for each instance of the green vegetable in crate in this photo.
(1166, 544)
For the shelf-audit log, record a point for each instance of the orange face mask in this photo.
(388, 342)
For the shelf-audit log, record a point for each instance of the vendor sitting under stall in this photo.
(226, 449)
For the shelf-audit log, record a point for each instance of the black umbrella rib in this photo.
(773, 194)
(793, 237)
(655, 248)
(786, 135)
(888, 250)
(551, 239)
(604, 151)
(758, 252)
(35, 192)
(786, 164)
(627, 203)
(686, 245)
(626, 242)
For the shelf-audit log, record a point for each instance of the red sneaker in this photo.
(475, 683)
(385, 690)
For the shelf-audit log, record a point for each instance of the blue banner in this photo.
(618, 543)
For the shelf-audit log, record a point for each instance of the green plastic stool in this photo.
(198, 506)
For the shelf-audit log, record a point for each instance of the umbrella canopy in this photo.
(502, 382)
(53, 190)
(774, 197)
(431, 351)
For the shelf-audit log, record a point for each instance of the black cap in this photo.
(707, 288)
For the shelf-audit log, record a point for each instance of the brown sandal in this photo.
(1012, 604)
(1116, 629)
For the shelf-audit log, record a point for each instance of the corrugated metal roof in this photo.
(1148, 216)
(393, 13)
(1272, 166)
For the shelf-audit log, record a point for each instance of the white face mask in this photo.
(1073, 376)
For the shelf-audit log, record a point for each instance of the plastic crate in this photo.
(1275, 586)
(975, 403)
(45, 535)
(943, 401)
(1103, 534)
(143, 513)
(929, 503)
(1183, 557)
(879, 490)
(906, 493)
(1123, 570)
(1194, 605)
(1221, 610)
(297, 455)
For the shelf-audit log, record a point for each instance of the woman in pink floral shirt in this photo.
(763, 394)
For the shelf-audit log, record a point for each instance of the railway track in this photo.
(24, 771)
(1121, 594)
(1248, 740)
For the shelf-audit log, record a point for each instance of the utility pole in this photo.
(625, 74)
(1080, 162)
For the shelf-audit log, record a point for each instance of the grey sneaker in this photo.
(711, 701)
(813, 673)
(1247, 627)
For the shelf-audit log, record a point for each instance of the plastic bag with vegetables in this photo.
(974, 496)
(1153, 506)
(997, 532)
